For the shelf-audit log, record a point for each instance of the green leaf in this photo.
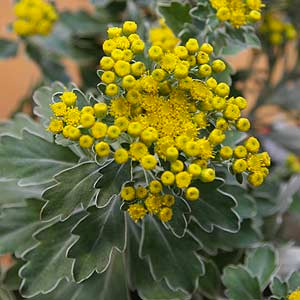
(74, 189)
(32, 159)
(14, 195)
(294, 282)
(114, 176)
(262, 263)
(108, 285)
(100, 233)
(47, 263)
(49, 64)
(246, 204)
(215, 208)
(279, 288)
(140, 274)
(233, 138)
(8, 48)
(42, 98)
(211, 242)
(240, 284)
(12, 281)
(175, 14)
(210, 283)
(178, 224)
(17, 225)
(179, 265)
(5, 294)
(22, 122)
(200, 12)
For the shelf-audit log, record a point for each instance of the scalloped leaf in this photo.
(8, 48)
(42, 98)
(114, 176)
(175, 14)
(178, 224)
(13, 195)
(215, 208)
(279, 288)
(240, 284)
(101, 232)
(140, 275)
(74, 189)
(17, 225)
(47, 263)
(294, 281)
(219, 239)
(210, 282)
(179, 265)
(32, 159)
(246, 205)
(109, 285)
(262, 263)
(20, 122)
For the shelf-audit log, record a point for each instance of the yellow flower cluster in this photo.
(34, 17)
(293, 163)
(238, 12)
(294, 295)
(163, 37)
(174, 117)
(247, 158)
(149, 200)
(277, 30)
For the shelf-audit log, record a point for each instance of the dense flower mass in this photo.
(294, 295)
(34, 17)
(169, 121)
(277, 30)
(238, 12)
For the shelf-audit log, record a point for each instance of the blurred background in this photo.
(19, 75)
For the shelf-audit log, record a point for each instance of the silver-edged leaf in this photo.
(14, 195)
(215, 208)
(20, 122)
(246, 205)
(47, 263)
(108, 285)
(170, 258)
(42, 97)
(74, 188)
(140, 276)
(262, 263)
(211, 242)
(17, 226)
(100, 233)
(178, 224)
(32, 159)
(240, 284)
(113, 178)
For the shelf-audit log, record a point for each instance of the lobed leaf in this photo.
(262, 263)
(47, 263)
(17, 226)
(240, 284)
(215, 208)
(170, 258)
(32, 159)
(100, 233)
(74, 189)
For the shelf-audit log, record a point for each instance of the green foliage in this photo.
(8, 48)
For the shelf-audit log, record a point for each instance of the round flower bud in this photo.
(167, 178)
(128, 193)
(121, 156)
(102, 149)
(192, 194)
(208, 175)
(218, 66)
(239, 166)
(226, 152)
(86, 141)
